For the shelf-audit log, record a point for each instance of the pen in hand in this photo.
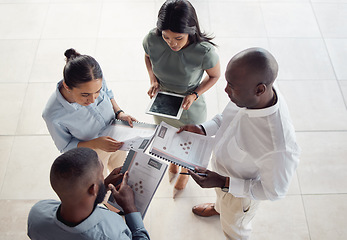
(200, 174)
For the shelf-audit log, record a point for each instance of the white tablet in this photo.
(166, 104)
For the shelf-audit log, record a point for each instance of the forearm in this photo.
(211, 78)
(206, 84)
(115, 105)
(88, 144)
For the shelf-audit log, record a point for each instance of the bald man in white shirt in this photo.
(255, 154)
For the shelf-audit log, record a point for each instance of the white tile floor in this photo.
(308, 37)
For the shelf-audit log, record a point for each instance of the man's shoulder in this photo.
(44, 207)
(107, 223)
(101, 224)
(106, 214)
(41, 217)
(46, 204)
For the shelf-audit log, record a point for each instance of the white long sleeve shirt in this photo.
(256, 149)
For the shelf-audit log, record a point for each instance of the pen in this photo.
(200, 174)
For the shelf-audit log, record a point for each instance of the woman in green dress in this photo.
(177, 54)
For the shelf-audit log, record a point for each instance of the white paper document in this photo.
(135, 137)
(185, 149)
(145, 175)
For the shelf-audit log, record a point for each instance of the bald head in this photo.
(250, 75)
(74, 170)
(257, 62)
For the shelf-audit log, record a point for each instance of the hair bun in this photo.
(71, 54)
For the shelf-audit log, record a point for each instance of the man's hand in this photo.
(124, 196)
(212, 179)
(114, 178)
(192, 128)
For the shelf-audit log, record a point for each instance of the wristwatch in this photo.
(225, 189)
(118, 112)
(196, 94)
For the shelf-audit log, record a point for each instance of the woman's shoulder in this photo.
(201, 49)
(152, 37)
(53, 107)
(204, 47)
(205, 52)
(153, 44)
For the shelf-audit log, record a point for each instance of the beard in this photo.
(101, 194)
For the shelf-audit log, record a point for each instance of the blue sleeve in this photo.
(63, 140)
(135, 224)
(106, 90)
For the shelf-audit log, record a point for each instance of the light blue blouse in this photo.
(70, 123)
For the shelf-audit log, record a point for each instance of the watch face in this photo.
(225, 189)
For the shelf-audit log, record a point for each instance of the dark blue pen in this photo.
(200, 174)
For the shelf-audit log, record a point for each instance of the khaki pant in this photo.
(111, 160)
(235, 215)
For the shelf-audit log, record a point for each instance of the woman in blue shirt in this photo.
(81, 107)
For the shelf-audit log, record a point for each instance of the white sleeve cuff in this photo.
(211, 127)
(236, 186)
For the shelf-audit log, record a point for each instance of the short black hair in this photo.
(74, 164)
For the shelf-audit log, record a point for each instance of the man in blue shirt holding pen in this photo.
(77, 178)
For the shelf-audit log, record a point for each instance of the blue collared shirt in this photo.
(70, 123)
(101, 224)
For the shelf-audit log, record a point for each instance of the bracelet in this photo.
(197, 95)
(118, 112)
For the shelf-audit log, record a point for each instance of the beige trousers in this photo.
(111, 160)
(236, 215)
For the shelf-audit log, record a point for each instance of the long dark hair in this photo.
(80, 68)
(179, 16)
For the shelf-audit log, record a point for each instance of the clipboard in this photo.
(145, 175)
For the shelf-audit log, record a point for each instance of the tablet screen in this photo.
(166, 104)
